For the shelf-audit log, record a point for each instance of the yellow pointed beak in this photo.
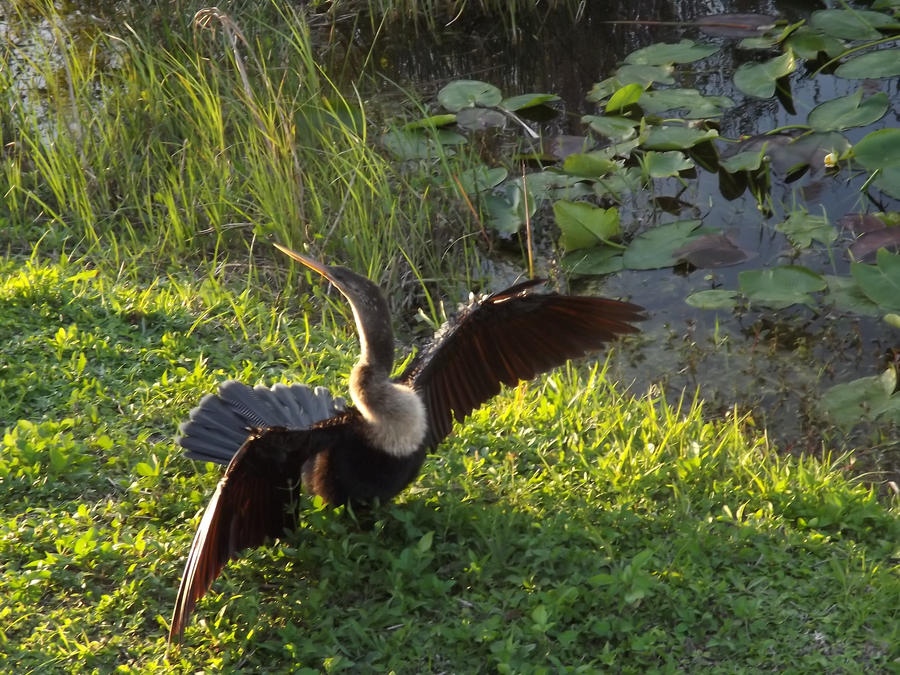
(309, 262)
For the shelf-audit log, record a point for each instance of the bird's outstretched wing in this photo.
(251, 504)
(506, 337)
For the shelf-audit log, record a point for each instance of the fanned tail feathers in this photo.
(221, 423)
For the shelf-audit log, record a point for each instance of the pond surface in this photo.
(774, 364)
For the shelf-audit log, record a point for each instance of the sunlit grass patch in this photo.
(566, 526)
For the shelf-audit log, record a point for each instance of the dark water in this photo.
(773, 364)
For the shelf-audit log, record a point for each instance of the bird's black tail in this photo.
(218, 427)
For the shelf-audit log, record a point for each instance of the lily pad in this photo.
(594, 261)
(801, 228)
(735, 25)
(888, 181)
(809, 150)
(849, 111)
(759, 79)
(865, 247)
(697, 105)
(589, 164)
(711, 250)
(677, 137)
(880, 282)
(879, 149)
(461, 94)
(851, 24)
(409, 145)
(749, 160)
(482, 178)
(553, 184)
(524, 101)
(685, 51)
(714, 299)
(624, 97)
(781, 287)
(430, 122)
(616, 128)
(583, 225)
(478, 119)
(631, 74)
(808, 43)
(655, 248)
(845, 294)
(666, 164)
(868, 398)
(880, 63)
(506, 210)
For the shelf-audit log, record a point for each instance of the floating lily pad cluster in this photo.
(648, 129)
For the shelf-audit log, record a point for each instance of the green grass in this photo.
(564, 528)
(195, 142)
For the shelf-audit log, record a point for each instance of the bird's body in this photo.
(275, 438)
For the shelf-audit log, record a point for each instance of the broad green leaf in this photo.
(430, 122)
(524, 101)
(881, 281)
(624, 97)
(780, 287)
(481, 178)
(715, 299)
(553, 184)
(407, 145)
(749, 160)
(808, 43)
(631, 74)
(879, 149)
(144, 469)
(866, 398)
(467, 93)
(685, 51)
(677, 137)
(851, 24)
(759, 79)
(583, 225)
(845, 294)
(697, 105)
(589, 164)
(645, 75)
(478, 119)
(655, 248)
(888, 181)
(596, 260)
(801, 228)
(881, 63)
(666, 164)
(849, 111)
(616, 128)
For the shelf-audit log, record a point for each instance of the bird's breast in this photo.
(395, 420)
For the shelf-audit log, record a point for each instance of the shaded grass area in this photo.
(565, 528)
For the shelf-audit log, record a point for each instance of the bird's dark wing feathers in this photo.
(509, 336)
(250, 505)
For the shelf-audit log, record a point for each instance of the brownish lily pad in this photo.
(735, 25)
(864, 248)
(711, 250)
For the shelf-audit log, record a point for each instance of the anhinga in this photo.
(272, 439)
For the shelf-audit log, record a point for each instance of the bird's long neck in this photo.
(394, 413)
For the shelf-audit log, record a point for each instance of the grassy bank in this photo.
(194, 145)
(566, 528)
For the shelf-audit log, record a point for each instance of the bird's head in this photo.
(370, 309)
